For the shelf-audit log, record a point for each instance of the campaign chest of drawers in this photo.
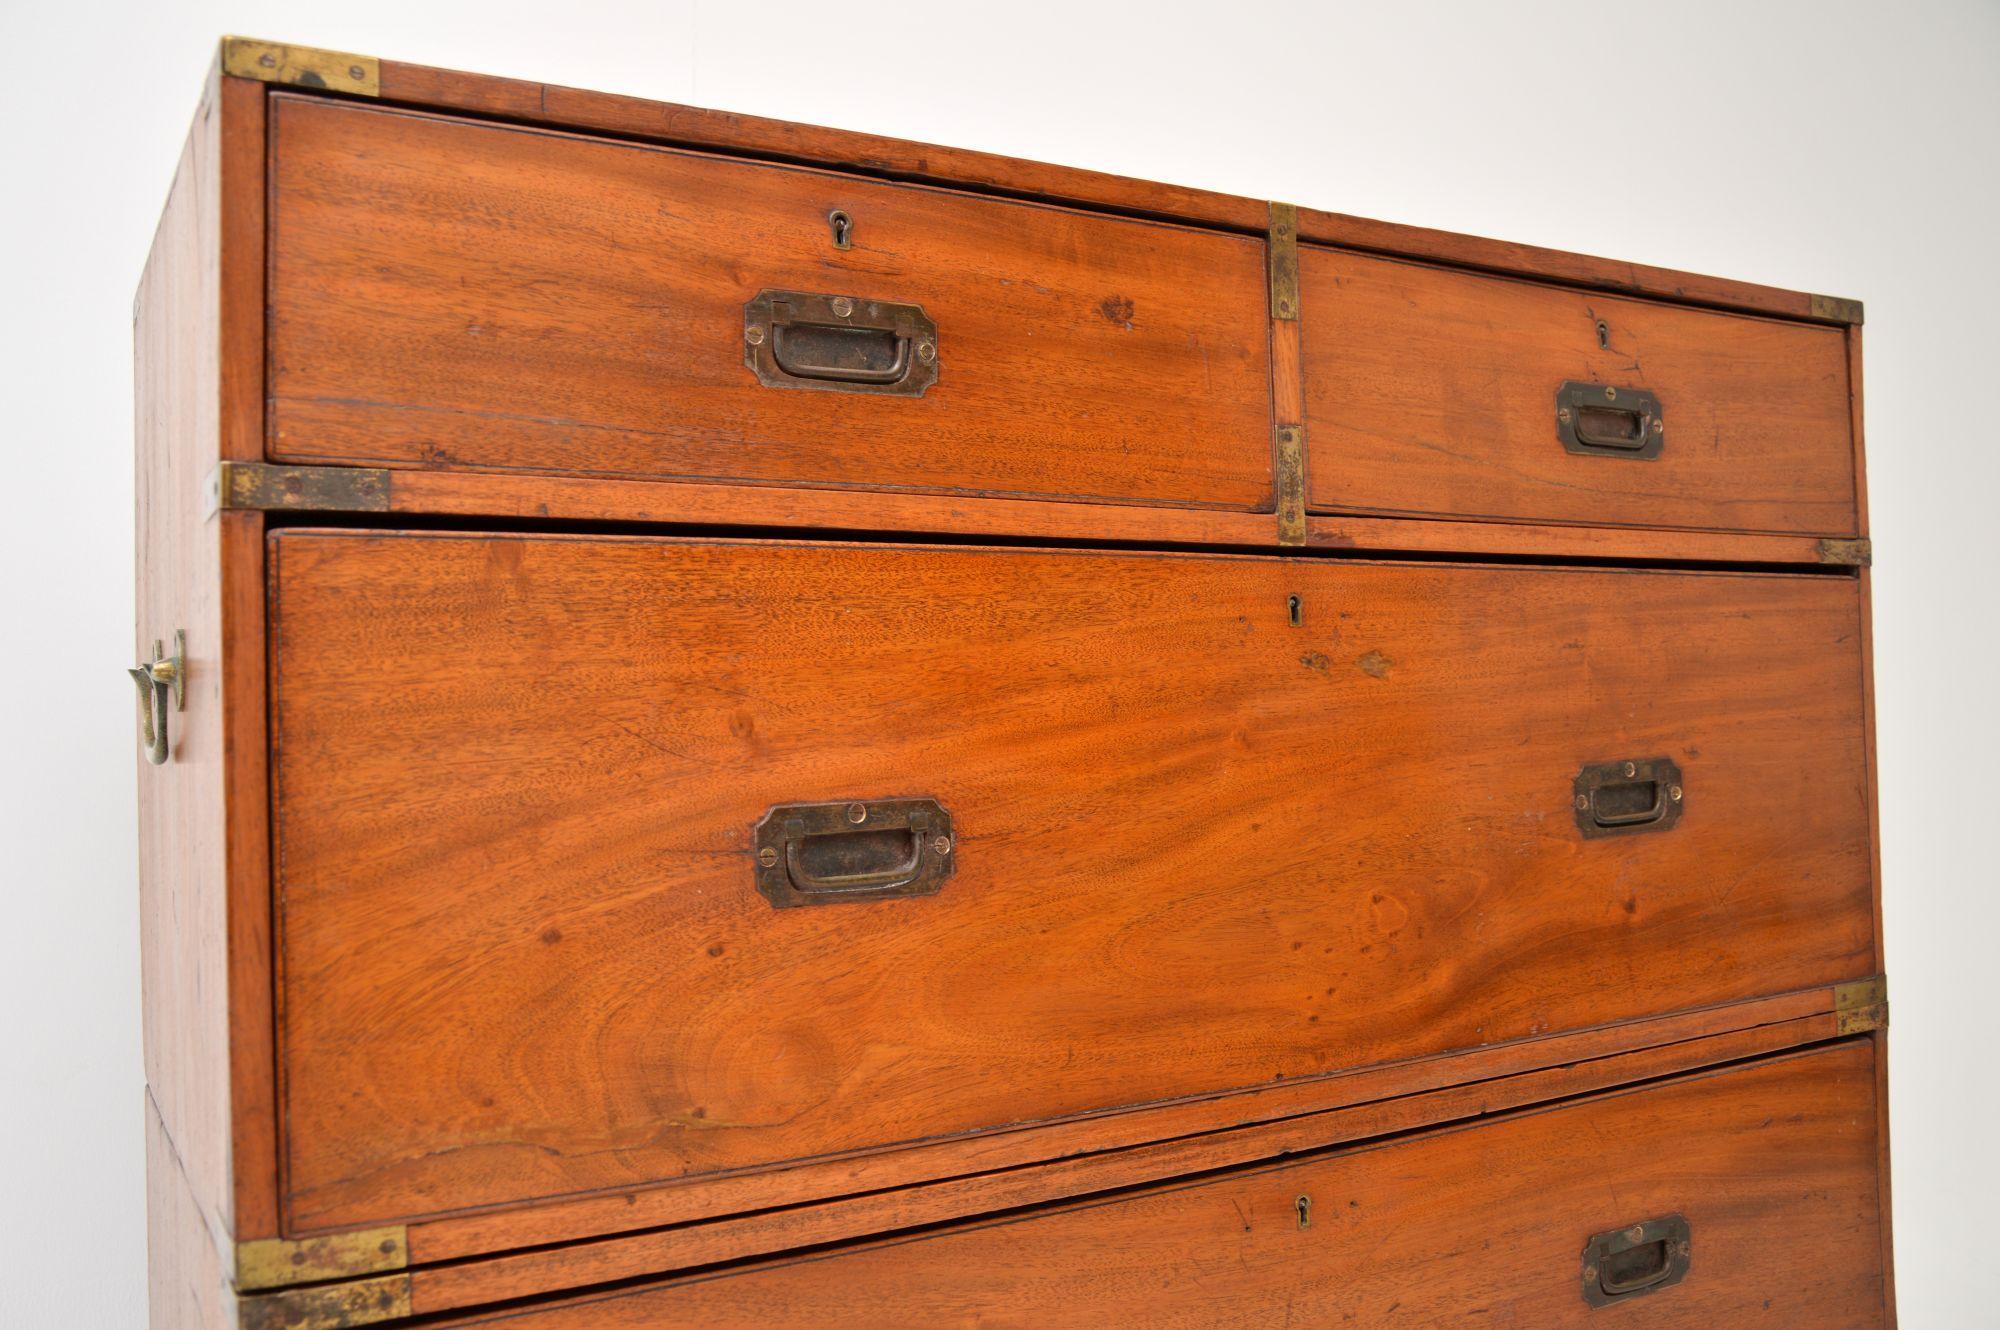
(750, 725)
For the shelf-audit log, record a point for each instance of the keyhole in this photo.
(1304, 1205)
(842, 225)
(1603, 335)
(1293, 610)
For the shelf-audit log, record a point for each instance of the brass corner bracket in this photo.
(1861, 1005)
(266, 1263)
(1856, 553)
(1284, 260)
(261, 487)
(302, 66)
(1291, 490)
(1836, 309)
(327, 1306)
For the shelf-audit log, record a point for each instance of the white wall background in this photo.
(1846, 148)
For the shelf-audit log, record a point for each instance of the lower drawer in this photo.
(1753, 1193)
(616, 863)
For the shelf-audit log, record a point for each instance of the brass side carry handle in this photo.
(1604, 421)
(161, 680)
(797, 339)
(1641, 1258)
(1611, 798)
(852, 850)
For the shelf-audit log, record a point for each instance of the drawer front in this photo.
(1436, 392)
(1767, 1173)
(447, 293)
(569, 900)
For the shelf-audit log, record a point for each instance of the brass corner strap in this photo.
(283, 1281)
(302, 66)
(327, 1306)
(1858, 553)
(1861, 1005)
(1836, 309)
(261, 487)
(265, 1263)
(1284, 260)
(1291, 484)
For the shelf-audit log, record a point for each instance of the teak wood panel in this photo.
(204, 882)
(1433, 392)
(662, 1251)
(454, 293)
(1198, 848)
(1772, 1165)
(901, 159)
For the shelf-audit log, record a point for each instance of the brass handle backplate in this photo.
(161, 681)
(1641, 1258)
(795, 339)
(852, 850)
(1615, 798)
(1602, 421)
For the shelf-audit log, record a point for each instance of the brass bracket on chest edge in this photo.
(265, 1263)
(327, 1306)
(1847, 553)
(1288, 440)
(261, 487)
(301, 66)
(1861, 1005)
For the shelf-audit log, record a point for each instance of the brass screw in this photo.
(1637, 1233)
(857, 813)
(1631, 768)
(942, 845)
(767, 857)
(843, 306)
(1659, 426)
(754, 336)
(1590, 1272)
(1582, 802)
(926, 352)
(356, 72)
(268, 60)
(1674, 793)
(1610, 394)
(1562, 414)
(1285, 308)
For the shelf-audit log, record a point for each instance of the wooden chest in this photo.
(758, 726)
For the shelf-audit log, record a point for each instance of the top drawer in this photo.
(1436, 392)
(447, 293)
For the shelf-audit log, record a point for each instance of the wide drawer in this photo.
(1438, 392)
(447, 293)
(1054, 833)
(1741, 1198)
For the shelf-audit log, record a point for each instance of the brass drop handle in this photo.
(852, 850)
(161, 680)
(1641, 1258)
(1633, 795)
(798, 339)
(1601, 420)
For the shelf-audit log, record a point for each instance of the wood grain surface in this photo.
(1430, 391)
(528, 101)
(204, 881)
(449, 293)
(460, 1284)
(1772, 1164)
(1200, 849)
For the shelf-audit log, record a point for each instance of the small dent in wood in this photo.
(1375, 665)
(1117, 309)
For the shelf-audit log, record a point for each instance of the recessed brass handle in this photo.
(1641, 1258)
(852, 850)
(160, 681)
(1603, 421)
(797, 339)
(1611, 798)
